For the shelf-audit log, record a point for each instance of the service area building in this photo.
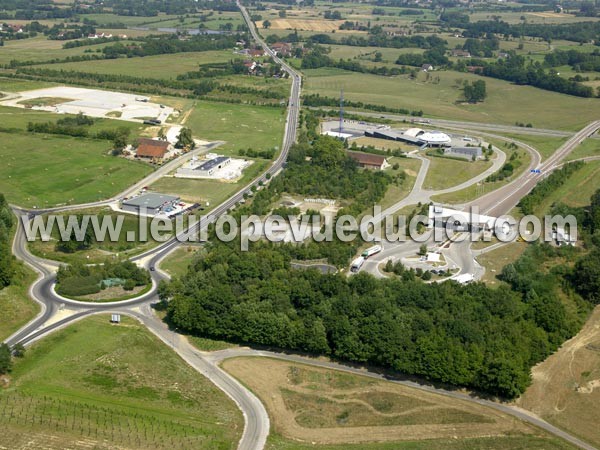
(151, 203)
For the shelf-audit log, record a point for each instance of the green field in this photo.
(241, 126)
(160, 66)
(445, 172)
(589, 147)
(43, 171)
(42, 49)
(107, 386)
(176, 264)
(506, 103)
(16, 306)
(16, 85)
(546, 145)
(99, 251)
(578, 189)
(202, 191)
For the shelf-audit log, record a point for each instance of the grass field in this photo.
(578, 189)
(160, 66)
(41, 49)
(479, 189)
(566, 386)
(445, 172)
(394, 193)
(42, 171)
(506, 103)
(327, 408)
(211, 191)
(15, 85)
(16, 306)
(589, 147)
(496, 259)
(546, 145)
(99, 251)
(241, 126)
(96, 385)
(176, 264)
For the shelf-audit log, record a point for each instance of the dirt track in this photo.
(309, 409)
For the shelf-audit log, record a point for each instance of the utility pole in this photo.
(341, 112)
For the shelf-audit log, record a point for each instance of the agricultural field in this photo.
(446, 172)
(443, 98)
(101, 385)
(44, 170)
(160, 66)
(566, 386)
(333, 408)
(41, 49)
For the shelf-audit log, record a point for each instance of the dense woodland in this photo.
(474, 336)
(7, 268)
(79, 279)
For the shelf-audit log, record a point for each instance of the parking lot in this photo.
(94, 103)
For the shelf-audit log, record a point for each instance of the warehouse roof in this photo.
(212, 163)
(150, 201)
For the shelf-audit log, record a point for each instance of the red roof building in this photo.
(369, 161)
(152, 149)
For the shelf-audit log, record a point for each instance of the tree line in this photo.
(7, 264)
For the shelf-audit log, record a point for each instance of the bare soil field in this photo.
(308, 25)
(327, 407)
(566, 386)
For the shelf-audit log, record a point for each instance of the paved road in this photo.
(462, 124)
(503, 200)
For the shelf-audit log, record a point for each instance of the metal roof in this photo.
(150, 200)
(212, 163)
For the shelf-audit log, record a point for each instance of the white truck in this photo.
(371, 251)
(357, 264)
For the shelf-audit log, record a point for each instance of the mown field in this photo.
(546, 145)
(43, 171)
(445, 172)
(160, 66)
(334, 409)
(241, 126)
(506, 103)
(104, 386)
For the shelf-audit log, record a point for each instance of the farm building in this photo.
(152, 149)
(457, 52)
(150, 203)
(369, 161)
(464, 152)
